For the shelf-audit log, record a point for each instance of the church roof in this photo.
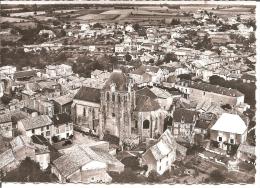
(88, 94)
(119, 79)
(146, 104)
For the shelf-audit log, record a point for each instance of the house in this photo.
(25, 75)
(22, 147)
(37, 125)
(229, 129)
(196, 91)
(86, 105)
(49, 33)
(62, 104)
(202, 127)
(8, 161)
(248, 78)
(160, 156)
(183, 123)
(86, 165)
(63, 127)
(246, 153)
(6, 126)
(7, 71)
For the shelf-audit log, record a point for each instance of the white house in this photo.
(229, 129)
(160, 156)
(37, 125)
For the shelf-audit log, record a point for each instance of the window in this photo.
(33, 131)
(107, 96)
(146, 124)
(113, 97)
(48, 133)
(167, 163)
(231, 141)
(204, 93)
(42, 129)
(47, 127)
(220, 139)
(113, 114)
(160, 168)
(84, 112)
(119, 100)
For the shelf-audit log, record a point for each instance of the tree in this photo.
(136, 27)
(185, 76)
(128, 57)
(28, 171)
(170, 57)
(153, 177)
(55, 139)
(216, 176)
(98, 25)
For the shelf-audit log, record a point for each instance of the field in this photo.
(26, 14)
(25, 25)
(8, 19)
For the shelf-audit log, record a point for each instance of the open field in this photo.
(26, 14)
(8, 19)
(97, 17)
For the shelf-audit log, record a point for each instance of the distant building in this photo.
(196, 91)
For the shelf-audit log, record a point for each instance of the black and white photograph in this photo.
(128, 92)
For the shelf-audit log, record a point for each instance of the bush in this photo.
(55, 139)
(153, 177)
(216, 176)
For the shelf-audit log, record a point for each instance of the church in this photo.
(119, 109)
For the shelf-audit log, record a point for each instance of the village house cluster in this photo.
(158, 111)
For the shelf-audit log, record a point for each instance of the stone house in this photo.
(183, 123)
(229, 130)
(196, 91)
(246, 153)
(160, 156)
(62, 104)
(86, 165)
(63, 126)
(6, 126)
(37, 125)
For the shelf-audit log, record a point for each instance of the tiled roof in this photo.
(79, 155)
(223, 124)
(62, 100)
(146, 104)
(203, 124)
(212, 88)
(146, 92)
(18, 115)
(183, 114)
(88, 94)
(59, 119)
(23, 74)
(246, 149)
(20, 141)
(4, 118)
(6, 158)
(36, 122)
(165, 145)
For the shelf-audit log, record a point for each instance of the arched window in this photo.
(107, 96)
(84, 111)
(113, 97)
(146, 124)
(119, 100)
